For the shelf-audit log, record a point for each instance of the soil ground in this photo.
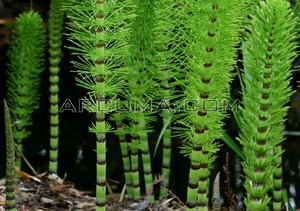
(49, 192)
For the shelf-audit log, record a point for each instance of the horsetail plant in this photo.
(165, 72)
(268, 50)
(140, 90)
(98, 30)
(10, 161)
(26, 53)
(55, 34)
(121, 132)
(210, 51)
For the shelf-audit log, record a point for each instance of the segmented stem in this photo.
(166, 71)
(121, 132)
(139, 140)
(100, 116)
(146, 159)
(10, 162)
(277, 189)
(198, 182)
(265, 94)
(211, 33)
(101, 158)
(55, 34)
(135, 167)
(144, 42)
(97, 33)
(141, 88)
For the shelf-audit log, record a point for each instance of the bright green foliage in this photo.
(10, 162)
(211, 30)
(140, 88)
(144, 50)
(55, 34)
(98, 31)
(268, 51)
(26, 53)
(165, 72)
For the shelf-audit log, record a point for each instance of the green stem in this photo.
(98, 31)
(198, 183)
(124, 150)
(166, 71)
(141, 87)
(203, 184)
(277, 177)
(193, 182)
(146, 158)
(135, 168)
(10, 162)
(139, 138)
(100, 115)
(55, 29)
(101, 160)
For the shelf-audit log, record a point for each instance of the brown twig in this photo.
(109, 188)
(25, 160)
(122, 193)
(170, 193)
(228, 190)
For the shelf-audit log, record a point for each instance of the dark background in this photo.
(76, 147)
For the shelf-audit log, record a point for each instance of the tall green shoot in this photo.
(55, 34)
(140, 90)
(121, 132)
(165, 72)
(10, 162)
(26, 53)
(211, 30)
(268, 51)
(97, 32)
